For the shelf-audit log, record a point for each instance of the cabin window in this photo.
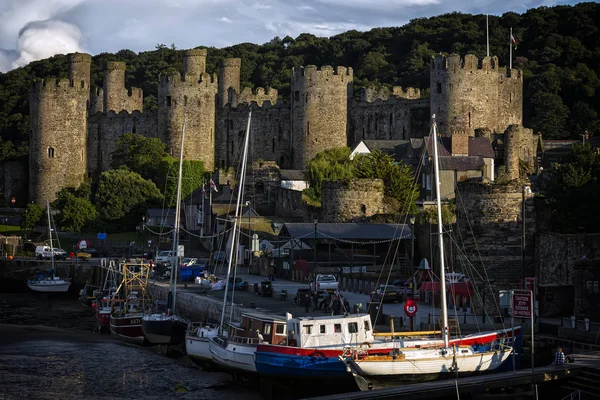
(337, 328)
(367, 326)
(352, 327)
(168, 101)
(51, 152)
(268, 329)
(307, 329)
(323, 330)
(280, 329)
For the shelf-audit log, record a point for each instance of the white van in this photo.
(42, 252)
(164, 257)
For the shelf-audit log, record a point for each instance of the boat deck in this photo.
(477, 384)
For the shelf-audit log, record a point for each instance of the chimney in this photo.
(460, 144)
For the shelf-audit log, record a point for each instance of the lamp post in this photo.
(411, 284)
(315, 247)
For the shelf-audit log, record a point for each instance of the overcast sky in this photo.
(36, 29)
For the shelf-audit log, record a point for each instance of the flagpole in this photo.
(203, 197)
(510, 44)
(487, 30)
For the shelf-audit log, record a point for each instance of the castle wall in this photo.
(58, 145)
(495, 240)
(105, 129)
(387, 119)
(116, 96)
(319, 110)
(269, 134)
(466, 95)
(345, 201)
(262, 184)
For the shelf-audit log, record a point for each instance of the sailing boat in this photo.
(169, 328)
(448, 360)
(49, 282)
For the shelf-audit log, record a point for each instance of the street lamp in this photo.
(315, 247)
(412, 254)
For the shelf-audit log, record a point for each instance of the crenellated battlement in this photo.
(371, 95)
(179, 80)
(325, 73)
(232, 62)
(259, 96)
(195, 53)
(59, 85)
(80, 58)
(115, 66)
(409, 93)
(266, 104)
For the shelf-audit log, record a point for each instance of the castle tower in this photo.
(58, 119)
(319, 110)
(79, 68)
(351, 200)
(229, 79)
(190, 97)
(116, 96)
(468, 94)
(194, 62)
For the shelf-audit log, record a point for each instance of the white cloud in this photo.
(43, 39)
(226, 20)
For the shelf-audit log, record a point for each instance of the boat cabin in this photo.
(258, 328)
(329, 330)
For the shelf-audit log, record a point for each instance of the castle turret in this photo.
(116, 96)
(194, 62)
(58, 119)
(229, 80)
(319, 110)
(468, 93)
(79, 69)
(189, 98)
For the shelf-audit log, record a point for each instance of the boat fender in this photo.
(366, 344)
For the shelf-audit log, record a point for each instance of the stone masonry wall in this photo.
(116, 96)
(494, 212)
(13, 182)
(263, 180)
(344, 201)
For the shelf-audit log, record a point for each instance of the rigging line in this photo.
(158, 233)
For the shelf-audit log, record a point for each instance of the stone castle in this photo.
(74, 127)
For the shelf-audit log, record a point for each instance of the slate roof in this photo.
(460, 163)
(395, 148)
(292, 175)
(348, 231)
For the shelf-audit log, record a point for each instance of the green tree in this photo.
(329, 165)
(32, 216)
(122, 192)
(139, 154)
(75, 208)
(398, 179)
(192, 172)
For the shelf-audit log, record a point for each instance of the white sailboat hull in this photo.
(433, 362)
(197, 343)
(234, 356)
(49, 286)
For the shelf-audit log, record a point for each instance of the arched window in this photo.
(51, 152)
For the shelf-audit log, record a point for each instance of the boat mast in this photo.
(235, 219)
(50, 235)
(175, 264)
(443, 310)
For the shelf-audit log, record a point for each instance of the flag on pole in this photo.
(204, 191)
(213, 186)
(514, 42)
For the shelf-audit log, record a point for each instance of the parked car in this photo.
(324, 282)
(42, 252)
(386, 293)
(164, 257)
(404, 287)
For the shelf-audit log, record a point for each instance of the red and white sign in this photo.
(410, 308)
(522, 305)
(83, 244)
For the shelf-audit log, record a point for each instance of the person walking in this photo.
(559, 357)
(337, 306)
(307, 302)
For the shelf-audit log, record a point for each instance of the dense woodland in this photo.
(558, 49)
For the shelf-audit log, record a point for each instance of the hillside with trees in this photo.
(558, 50)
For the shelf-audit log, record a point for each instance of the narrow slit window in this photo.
(51, 152)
